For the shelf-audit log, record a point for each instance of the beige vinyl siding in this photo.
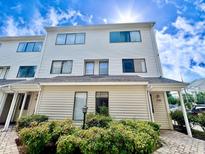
(160, 111)
(124, 101)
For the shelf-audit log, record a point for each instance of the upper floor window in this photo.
(134, 66)
(125, 36)
(4, 71)
(29, 46)
(26, 71)
(61, 67)
(103, 67)
(70, 38)
(91, 67)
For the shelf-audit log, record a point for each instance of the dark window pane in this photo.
(103, 66)
(22, 47)
(26, 71)
(70, 39)
(102, 103)
(37, 46)
(125, 36)
(128, 65)
(30, 46)
(115, 37)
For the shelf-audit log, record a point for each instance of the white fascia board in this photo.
(94, 83)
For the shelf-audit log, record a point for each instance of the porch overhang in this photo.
(166, 87)
(21, 88)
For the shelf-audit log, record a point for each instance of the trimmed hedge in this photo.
(30, 121)
(110, 137)
(36, 138)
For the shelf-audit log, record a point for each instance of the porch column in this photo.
(37, 102)
(11, 110)
(2, 102)
(150, 106)
(168, 111)
(22, 106)
(185, 114)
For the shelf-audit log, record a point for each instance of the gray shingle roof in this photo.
(120, 78)
(5, 81)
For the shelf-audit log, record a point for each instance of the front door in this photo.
(80, 102)
(159, 110)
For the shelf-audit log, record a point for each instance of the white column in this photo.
(11, 110)
(2, 103)
(150, 106)
(22, 106)
(37, 102)
(168, 111)
(185, 114)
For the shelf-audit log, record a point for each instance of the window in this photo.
(29, 46)
(102, 103)
(89, 68)
(61, 67)
(26, 103)
(134, 66)
(125, 36)
(79, 103)
(26, 71)
(4, 71)
(103, 67)
(70, 38)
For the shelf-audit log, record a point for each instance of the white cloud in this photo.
(177, 50)
(200, 5)
(17, 8)
(53, 17)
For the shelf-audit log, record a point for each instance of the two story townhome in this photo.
(114, 65)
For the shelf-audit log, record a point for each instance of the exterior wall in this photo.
(124, 101)
(97, 46)
(10, 57)
(160, 110)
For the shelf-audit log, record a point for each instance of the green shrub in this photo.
(201, 120)
(30, 121)
(68, 144)
(104, 110)
(98, 121)
(198, 134)
(35, 138)
(178, 117)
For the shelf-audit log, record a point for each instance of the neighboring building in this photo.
(112, 65)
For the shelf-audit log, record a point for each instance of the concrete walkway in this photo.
(173, 143)
(7, 141)
(178, 143)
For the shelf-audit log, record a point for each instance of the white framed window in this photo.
(70, 39)
(29, 46)
(26, 71)
(4, 71)
(89, 67)
(61, 67)
(125, 36)
(103, 67)
(134, 65)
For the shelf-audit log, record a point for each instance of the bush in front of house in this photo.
(117, 138)
(111, 137)
(201, 120)
(98, 120)
(178, 117)
(29, 121)
(38, 137)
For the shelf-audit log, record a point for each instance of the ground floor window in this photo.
(79, 102)
(102, 103)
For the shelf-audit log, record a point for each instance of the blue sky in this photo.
(180, 25)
